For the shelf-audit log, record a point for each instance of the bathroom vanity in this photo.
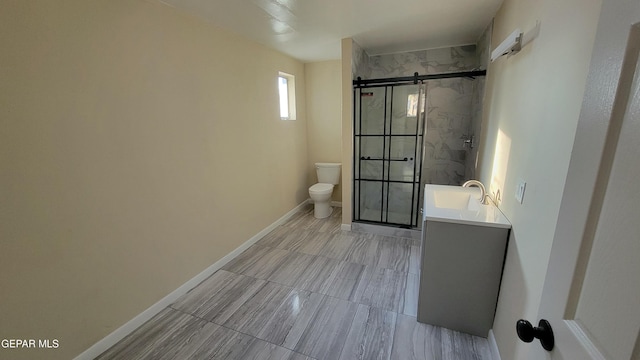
(463, 250)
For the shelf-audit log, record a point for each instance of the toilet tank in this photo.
(328, 173)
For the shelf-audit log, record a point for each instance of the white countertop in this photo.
(455, 204)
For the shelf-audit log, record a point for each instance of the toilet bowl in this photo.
(320, 193)
(321, 196)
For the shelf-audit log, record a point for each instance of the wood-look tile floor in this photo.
(307, 290)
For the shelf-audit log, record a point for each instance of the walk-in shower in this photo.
(390, 126)
(388, 151)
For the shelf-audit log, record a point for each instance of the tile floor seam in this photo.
(240, 332)
(253, 336)
(348, 331)
(373, 267)
(310, 291)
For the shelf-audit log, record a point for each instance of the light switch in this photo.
(520, 187)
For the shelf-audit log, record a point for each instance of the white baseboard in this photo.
(495, 353)
(345, 227)
(126, 329)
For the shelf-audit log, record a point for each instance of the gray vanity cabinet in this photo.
(460, 276)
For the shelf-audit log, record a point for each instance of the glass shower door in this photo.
(388, 129)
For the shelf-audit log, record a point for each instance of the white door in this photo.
(591, 295)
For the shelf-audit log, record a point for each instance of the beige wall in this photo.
(324, 116)
(531, 108)
(138, 145)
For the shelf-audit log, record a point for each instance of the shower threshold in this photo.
(386, 230)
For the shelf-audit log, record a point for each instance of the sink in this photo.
(457, 204)
(451, 199)
(446, 199)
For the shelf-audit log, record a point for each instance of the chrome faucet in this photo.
(484, 198)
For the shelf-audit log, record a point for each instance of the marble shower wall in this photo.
(423, 62)
(454, 110)
(360, 62)
(450, 113)
(448, 120)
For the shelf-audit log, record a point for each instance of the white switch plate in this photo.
(520, 187)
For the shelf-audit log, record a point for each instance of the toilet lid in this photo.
(321, 187)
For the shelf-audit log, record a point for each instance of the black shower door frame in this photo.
(386, 160)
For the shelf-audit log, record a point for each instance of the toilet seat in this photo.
(321, 189)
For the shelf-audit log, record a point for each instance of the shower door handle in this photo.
(379, 159)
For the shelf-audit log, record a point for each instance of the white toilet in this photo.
(320, 193)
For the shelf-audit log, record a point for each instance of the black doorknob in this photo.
(526, 333)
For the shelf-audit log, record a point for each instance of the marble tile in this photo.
(224, 304)
(317, 274)
(275, 237)
(251, 317)
(291, 318)
(292, 239)
(331, 224)
(262, 350)
(410, 305)
(363, 250)
(273, 303)
(175, 335)
(299, 217)
(298, 356)
(227, 344)
(414, 259)
(305, 222)
(415, 341)
(257, 261)
(288, 273)
(337, 245)
(193, 345)
(394, 252)
(360, 64)
(384, 289)
(199, 295)
(326, 334)
(165, 336)
(457, 345)
(218, 303)
(456, 58)
(371, 334)
(313, 243)
(347, 281)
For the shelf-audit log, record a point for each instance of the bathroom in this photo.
(133, 162)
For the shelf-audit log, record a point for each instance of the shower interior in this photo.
(407, 135)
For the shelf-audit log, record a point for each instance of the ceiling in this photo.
(311, 30)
